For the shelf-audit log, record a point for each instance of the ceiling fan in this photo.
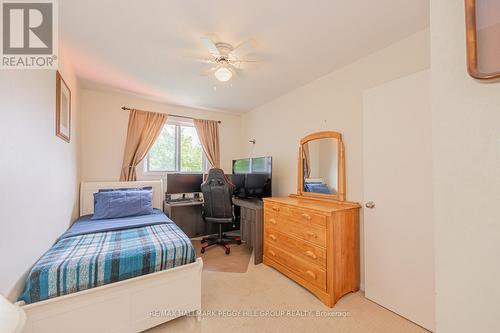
(225, 58)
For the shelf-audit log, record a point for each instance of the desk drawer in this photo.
(304, 250)
(310, 232)
(309, 272)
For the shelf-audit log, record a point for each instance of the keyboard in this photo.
(181, 201)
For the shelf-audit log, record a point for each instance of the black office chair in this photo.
(218, 208)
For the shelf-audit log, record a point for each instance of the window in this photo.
(177, 149)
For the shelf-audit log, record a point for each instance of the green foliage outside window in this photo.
(191, 151)
(162, 154)
(165, 152)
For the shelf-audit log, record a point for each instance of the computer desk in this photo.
(251, 224)
(187, 215)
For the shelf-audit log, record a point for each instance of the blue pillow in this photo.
(318, 188)
(123, 189)
(126, 189)
(114, 204)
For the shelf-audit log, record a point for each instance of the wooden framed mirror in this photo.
(321, 169)
(483, 38)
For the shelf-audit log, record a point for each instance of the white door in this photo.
(398, 229)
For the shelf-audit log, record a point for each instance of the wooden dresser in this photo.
(315, 243)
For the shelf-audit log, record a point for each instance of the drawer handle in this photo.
(271, 252)
(311, 274)
(273, 221)
(272, 237)
(276, 208)
(306, 216)
(311, 254)
(312, 234)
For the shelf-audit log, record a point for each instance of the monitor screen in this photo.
(184, 183)
(241, 166)
(255, 180)
(237, 180)
(253, 165)
(253, 177)
(257, 185)
(261, 165)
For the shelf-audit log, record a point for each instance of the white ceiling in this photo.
(141, 46)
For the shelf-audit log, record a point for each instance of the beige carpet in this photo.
(215, 259)
(262, 289)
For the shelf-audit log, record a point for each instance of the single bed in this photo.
(115, 275)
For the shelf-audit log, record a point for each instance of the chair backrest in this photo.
(217, 196)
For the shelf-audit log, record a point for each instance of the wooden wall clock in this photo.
(483, 38)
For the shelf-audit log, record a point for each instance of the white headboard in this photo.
(87, 191)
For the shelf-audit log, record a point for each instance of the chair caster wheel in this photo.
(202, 250)
(228, 251)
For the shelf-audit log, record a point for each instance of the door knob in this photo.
(370, 204)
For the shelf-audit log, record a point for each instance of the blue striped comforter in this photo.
(90, 260)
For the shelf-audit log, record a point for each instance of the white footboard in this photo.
(128, 306)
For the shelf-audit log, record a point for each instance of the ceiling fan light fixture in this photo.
(223, 74)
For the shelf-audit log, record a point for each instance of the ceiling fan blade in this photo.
(210, 45)
(244, 61)
(210, 71)
(243, 49)
(205, 61)
(202, 60)
(238, 64)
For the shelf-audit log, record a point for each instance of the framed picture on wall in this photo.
(63, 109)
(483, 38)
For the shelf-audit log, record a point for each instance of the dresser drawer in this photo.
(306, 216)
(304, 250)
(313, 233)
(270, 207)
(309, 272)
(296, 213)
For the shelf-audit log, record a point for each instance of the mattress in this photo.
(93, 253)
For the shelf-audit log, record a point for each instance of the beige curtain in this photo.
(143, 130)
(208, 132)
(307, 160)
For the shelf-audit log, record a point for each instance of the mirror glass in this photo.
(320, 166)
(488, 35)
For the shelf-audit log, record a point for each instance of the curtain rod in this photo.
(124, 108)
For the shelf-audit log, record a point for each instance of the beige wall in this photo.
(466, 158)
(333, 102)
(104, 131)
(39, 173)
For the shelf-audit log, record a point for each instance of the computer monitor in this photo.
(257, 185)
(258, 176)
(253, 165)
(242, 166)
(237, 180)
(184, 183)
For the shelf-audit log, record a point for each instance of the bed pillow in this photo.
(318, 188)
(124, 189)
(149, 188)
(115, 204)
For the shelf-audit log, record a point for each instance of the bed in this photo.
(115, 275)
